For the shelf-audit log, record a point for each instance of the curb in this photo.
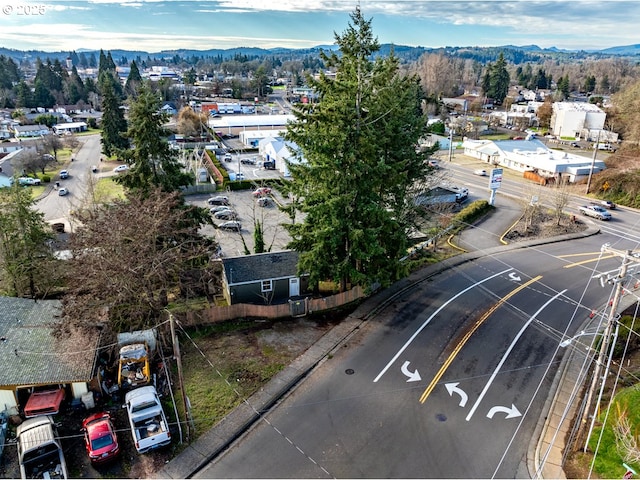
(203, 450)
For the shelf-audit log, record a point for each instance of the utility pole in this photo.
(176, 354)
(450, 142)
(593, 162)
(606, 339)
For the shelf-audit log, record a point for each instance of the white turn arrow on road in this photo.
(413, 376)
(514, 276)
(453, 388)
(512, 412)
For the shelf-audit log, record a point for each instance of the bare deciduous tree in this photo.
(559, 197)
(130, 257)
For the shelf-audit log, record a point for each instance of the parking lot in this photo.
(247, 210)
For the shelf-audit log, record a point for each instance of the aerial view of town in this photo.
(361, 240)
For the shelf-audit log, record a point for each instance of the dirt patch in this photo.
(544, 225)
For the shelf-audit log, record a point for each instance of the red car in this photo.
(261, 191)
(100, 438)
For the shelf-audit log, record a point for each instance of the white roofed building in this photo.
(533, 155)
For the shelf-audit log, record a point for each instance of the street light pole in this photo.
(450, 143)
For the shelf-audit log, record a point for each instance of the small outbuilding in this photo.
(264, 278)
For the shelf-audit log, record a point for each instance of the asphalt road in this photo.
(447, 382)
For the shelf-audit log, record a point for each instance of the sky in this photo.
(159, 25)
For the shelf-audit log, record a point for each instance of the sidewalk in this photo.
(547, 443)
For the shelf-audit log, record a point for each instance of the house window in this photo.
(267, 285)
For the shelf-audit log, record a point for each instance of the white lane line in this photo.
(508, 351)
(428, 320)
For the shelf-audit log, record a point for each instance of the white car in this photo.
(121, 168)
(63, 191)
(481, 172)
(595, 211)
(64, 174)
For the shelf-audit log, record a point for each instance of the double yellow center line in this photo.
(467, 336)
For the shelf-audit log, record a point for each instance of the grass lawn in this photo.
(608, 462)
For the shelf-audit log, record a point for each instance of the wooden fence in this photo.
(244, 310)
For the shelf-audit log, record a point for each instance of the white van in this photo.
(606, 147)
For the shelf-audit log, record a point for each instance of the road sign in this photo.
(495, 179)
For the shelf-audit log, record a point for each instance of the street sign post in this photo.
(495, 180)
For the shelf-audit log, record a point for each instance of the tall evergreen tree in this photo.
(134, 79)
(114, 124)
(357, 164)
(25, 257)
(495, 82)
(42, 96)
(24, 97)
(153, 163)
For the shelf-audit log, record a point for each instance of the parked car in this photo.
(481, 172)
(121, 168)
(225, 215)
(575, 144)
(29, 181)
(248, 161)
(63, 191)
(218, 208)
(232, 225)
(595, 211)
(261, 191)
(39, 449)
(218, 200)
(605, 203)
(64, 174)
(269, 165)
(100, 438)
(264, 201)
(237, 176)
(46, 401)
(461, 193)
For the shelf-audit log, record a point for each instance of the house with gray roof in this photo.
(29, 131)
(34, 354)
(264, 278)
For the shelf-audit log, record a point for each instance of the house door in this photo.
(294, 287)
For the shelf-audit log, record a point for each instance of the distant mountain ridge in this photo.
(404, 52)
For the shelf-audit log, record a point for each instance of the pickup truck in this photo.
(595, 211)
(39, 450)
(29, 181)
(149, 427)
(133, 365)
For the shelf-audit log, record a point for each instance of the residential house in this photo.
(7, 126)
(30, 131)
(69, 127)
(34, 354)
(169, 109)
(264, 278)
